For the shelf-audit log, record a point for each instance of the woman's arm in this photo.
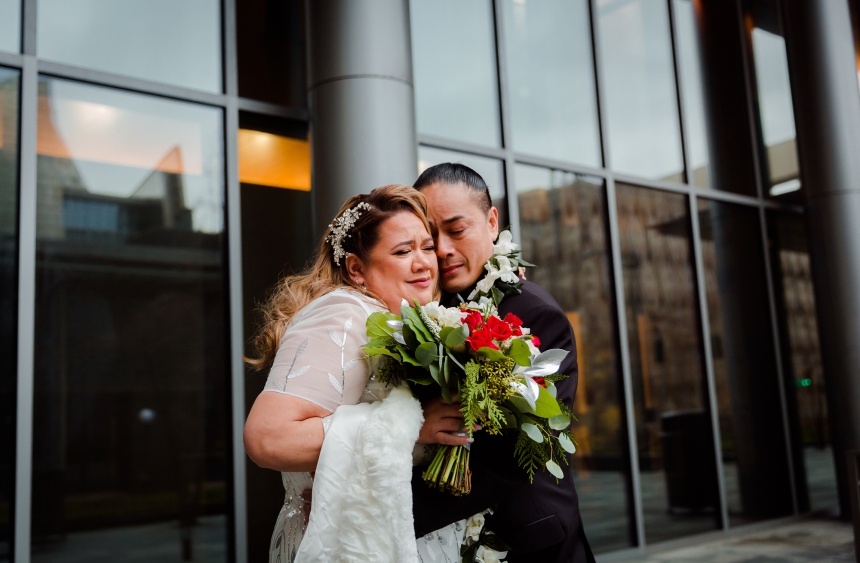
(284, 433)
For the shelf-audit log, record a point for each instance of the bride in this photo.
(322, 410)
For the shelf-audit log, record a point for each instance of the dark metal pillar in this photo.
(823, 75)
(361, 99)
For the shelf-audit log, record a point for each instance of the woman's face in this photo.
(402, 265)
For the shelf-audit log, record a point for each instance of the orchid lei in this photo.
(502, 277)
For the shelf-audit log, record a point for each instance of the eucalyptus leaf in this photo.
(567, 443)
(408, 357)
(547, 363)
(434, 373)
(552, 390)
(491, 354)
(553, 468)
(520, 353)
(456, 336)
(426, 353)
(443, 334)
(559, 422)
(546, 406)
(533, 432)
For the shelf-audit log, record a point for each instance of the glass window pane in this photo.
(162, 40)
(639, 84)
(755, 464)
(9, 87)
(695, 125)
(802, 361)
(490, 169)
(454, 60)
(551, 80)
(563, 231)
(276, 239)
(10, 25)
(130, 448)
(270, 43)
(776, 113)
(673, 423)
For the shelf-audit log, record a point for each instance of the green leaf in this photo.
(434, 373)
(521, 404)
(446, 370)
(551, 388)
(446, 394)
(443, 334)
(520, 353)
(410, 317)
(546, 405)
(410, 337)
(426, 353)
(382, 352)
(533, 431)
(456, 336)
(407, 356)
(376, 327)
(553, 468)
(559, 422)
(491, 354)
(497, 295)
(567, 443)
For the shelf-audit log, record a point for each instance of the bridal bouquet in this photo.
(492, 365)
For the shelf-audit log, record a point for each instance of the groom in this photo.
(539, 521)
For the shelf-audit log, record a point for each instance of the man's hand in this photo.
(440, 420)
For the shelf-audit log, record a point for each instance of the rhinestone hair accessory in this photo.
(340, 229)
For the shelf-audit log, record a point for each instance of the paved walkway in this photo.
(812, 541)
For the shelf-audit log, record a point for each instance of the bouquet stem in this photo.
(449, 471)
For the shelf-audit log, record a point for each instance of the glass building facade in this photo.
(156, 180)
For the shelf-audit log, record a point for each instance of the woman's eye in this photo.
(402, 252)
(429, 249)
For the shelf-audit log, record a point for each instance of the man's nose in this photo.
(444, 248)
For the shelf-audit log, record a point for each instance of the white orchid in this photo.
(505, 244)
(474, 526)
(507, 272)
(487, 555)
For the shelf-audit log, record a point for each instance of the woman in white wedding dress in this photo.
(322, 410)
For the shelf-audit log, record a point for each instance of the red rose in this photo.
(481, 339)
(513, 320)
(516, 331)
(499, 329)
(540, 381)
(473, 320)
(536, 341)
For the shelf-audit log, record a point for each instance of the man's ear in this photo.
(355, 268)
(493, 222)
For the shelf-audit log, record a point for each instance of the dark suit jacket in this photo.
(539, 521)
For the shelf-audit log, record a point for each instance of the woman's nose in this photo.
(423, 261)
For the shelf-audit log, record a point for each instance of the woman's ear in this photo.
(355, 269)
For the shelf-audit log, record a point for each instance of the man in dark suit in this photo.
(540, 521)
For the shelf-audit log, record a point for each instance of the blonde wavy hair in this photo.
(292, 293)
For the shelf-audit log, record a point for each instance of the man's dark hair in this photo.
(454, 173)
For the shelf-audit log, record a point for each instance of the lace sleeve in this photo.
(320, 357)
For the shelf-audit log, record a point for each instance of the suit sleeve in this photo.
(492, 461)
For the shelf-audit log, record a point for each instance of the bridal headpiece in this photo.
(340, 229)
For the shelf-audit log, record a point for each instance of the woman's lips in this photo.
(423, 282)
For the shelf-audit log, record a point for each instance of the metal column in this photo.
(823, 74)
(361, 99)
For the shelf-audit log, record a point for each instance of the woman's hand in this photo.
(440, 420)
(284, 433)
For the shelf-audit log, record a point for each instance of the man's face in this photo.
(464, 234)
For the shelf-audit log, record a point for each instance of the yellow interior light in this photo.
(272, 160)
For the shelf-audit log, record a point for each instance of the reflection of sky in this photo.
(172, 41)
(454, 60)
(530, 178)
(551, 79)
(117, 139)
(10, 25)
(774, 89)
(691, 82)
(642, 110)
